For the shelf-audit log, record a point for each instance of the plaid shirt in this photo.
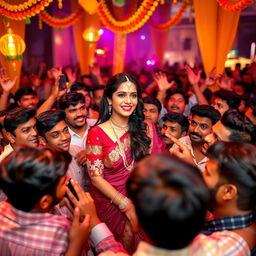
(230, 223)
(25, 233)
(223, 243)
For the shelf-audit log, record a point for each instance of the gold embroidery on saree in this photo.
(94, 149)
(95, 169)
(114, 155)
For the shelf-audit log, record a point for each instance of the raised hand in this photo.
(192, 76)
(95, 70)
(162, 82)
(6, 83)
(225, 82)
(71, 76)
(211, 78)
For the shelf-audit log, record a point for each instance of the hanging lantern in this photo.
(91, 35)
(12, 46)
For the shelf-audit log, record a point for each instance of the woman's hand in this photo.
(132, 217)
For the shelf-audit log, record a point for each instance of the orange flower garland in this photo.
(61, 23)
(174, 20)
(225, 4)
(29, 12)
(132, 23)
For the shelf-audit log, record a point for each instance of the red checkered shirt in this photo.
(26, 233)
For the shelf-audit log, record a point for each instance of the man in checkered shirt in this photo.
(34, 181)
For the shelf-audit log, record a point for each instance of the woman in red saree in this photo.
(113, 146)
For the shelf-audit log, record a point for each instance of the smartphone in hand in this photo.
(62, 83)
(72, 190)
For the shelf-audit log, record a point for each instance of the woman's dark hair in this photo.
(140, 142)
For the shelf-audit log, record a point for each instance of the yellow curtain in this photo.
(85, 51)
(216, 30)
(18, 28)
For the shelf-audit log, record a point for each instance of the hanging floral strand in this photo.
(61, 23)
(174, 20)
(225, 4)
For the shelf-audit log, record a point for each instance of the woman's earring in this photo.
(109, 109)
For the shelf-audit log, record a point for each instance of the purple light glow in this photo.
(142, 37)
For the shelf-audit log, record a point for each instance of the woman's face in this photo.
(124, 100)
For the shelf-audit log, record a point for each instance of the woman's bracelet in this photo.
(128, 207)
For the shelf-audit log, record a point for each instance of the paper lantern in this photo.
(11, 45)
(91, 35)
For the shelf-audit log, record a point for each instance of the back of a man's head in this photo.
(240, 129)
(28, 174)
(170, 199)
(237, 165)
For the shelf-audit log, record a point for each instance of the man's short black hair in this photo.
(170, 198)
(206, 111)
(23, 91)
(77, 86)
(71, 98)
(170, 93)
(241, 129)
(237, 165)
(153, 101)
(27, 174)
(233, 100)
(47, 120)
(17, 116)
(179, 118)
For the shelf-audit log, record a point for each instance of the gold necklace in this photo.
(121, 150)
(118, 126)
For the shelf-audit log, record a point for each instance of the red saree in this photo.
(103, 159)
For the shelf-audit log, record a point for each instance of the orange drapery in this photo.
(216, 30)
(85, 51)
(18, 28)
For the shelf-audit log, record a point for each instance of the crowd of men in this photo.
(197, 198)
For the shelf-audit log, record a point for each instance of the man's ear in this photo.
(42, 140)
(10, 137)
(229, 192)
(18, 102)
(45, 202)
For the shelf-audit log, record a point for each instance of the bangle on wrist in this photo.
(128, 207)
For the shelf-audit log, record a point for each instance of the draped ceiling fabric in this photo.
(18, 28)
(216, 30)
(160, 38)
(84, 50)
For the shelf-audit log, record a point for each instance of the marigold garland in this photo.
(22, 15)
(225, 4)
(19, 7)
(134, 22)
(61, 23)
(174, 20)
